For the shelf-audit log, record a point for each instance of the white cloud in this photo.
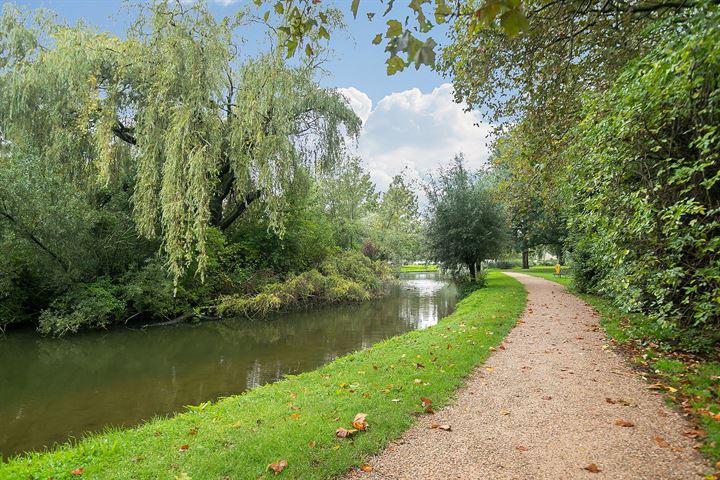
(359, 102)
(418, 131)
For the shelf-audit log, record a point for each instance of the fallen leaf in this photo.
(593, 468)
(489, 369)
(278, 466)
(343, 433)
(624, 423)
(419, 365)
(312, 444)
(295, 416)
(447, 428)
(504, 412)
(547, 398)
(78, 471)
(434, 425)
(661, 442)
(695, 434)
(417, 381)
(183, 448)
(425, 401)
(236, 425)
(359, 422)
(520, 448)
(366, 468)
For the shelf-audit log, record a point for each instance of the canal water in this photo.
(55, 389)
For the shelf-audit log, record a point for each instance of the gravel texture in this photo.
(547, 406)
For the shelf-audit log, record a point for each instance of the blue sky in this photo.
(410, 119)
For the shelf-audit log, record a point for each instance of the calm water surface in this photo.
(54, 389)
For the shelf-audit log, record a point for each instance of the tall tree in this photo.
(348, 195)
(202, 134)
(395, 223)
(466, 223)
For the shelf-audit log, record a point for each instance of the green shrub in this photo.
(94, 305)
(347, 276)
(644, 176)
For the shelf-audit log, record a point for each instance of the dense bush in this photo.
(644, 170)
(344, 277)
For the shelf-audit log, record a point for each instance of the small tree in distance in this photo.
(466, 224)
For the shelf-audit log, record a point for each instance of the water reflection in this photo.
(51, 390)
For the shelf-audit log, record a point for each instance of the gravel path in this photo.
(546, 407)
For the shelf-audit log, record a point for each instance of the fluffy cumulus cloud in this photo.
(359, 102)
(418, 132)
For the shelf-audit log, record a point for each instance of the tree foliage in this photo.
(466, 223)
(394, 225)
(203, 134)
(644, 182)
(130, 164)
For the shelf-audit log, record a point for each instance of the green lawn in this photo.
(296, 419)
(683, 378)
(418, 268)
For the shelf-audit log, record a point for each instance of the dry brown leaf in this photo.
(447, 428)
(661, 442)
(359, 422)
(426, 402)
(419, 365)
(343, 433)
(695, 434)
(434, 425)
(78, 471)
(278, 466)
(366, 468)
(593, 468)
(504, 412)
(547, 398)
(624, 423)
(521, 448)
(184, 448)
(312, 444)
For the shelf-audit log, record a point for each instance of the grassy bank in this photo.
(691, 383)
(296, 419)
(417, 268)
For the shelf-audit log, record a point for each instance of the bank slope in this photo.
(296, 419)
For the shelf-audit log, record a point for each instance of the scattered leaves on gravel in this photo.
(661, 442)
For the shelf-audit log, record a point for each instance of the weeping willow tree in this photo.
(174, 110)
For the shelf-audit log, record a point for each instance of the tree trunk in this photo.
(473, 270)
(526, 260)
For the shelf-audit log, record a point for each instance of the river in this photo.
(55, 389)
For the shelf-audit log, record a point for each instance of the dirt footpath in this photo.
(556, 403)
